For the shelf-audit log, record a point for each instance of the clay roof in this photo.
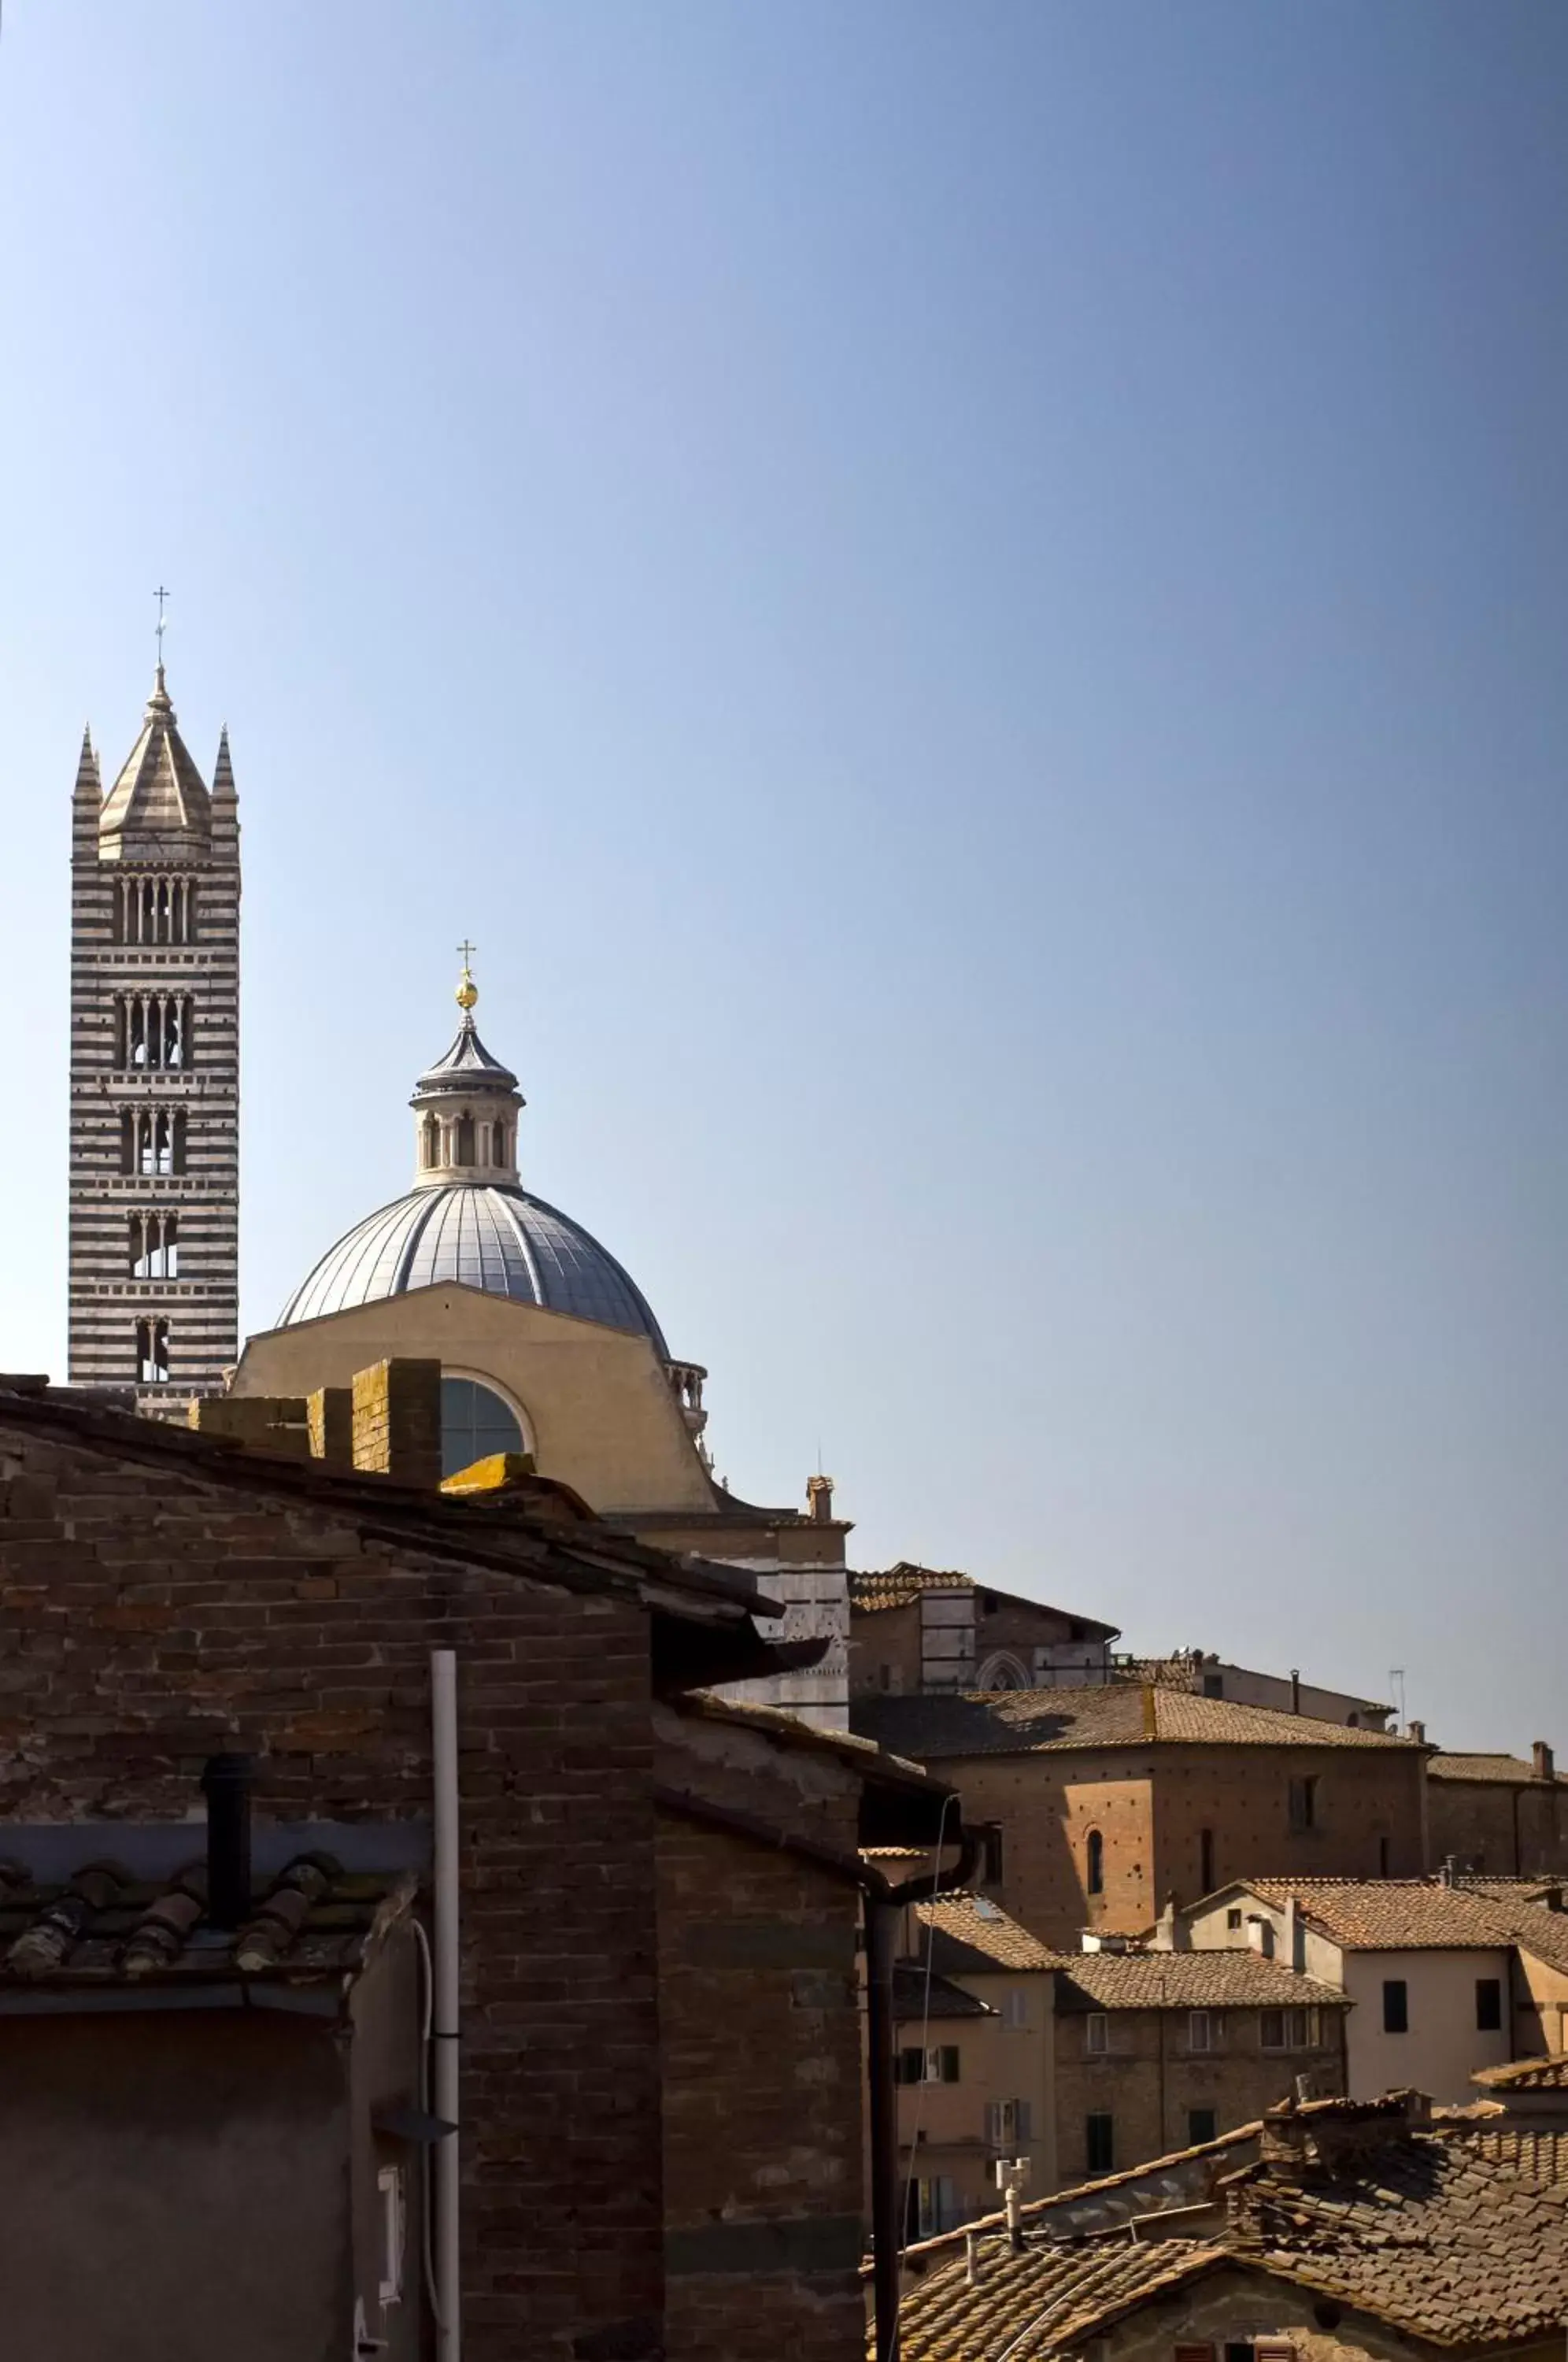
(1525, 2075)
(103, 1928)
(1409, 1914)
(1509, 1771)
(1113, 1713)
(1188, 1980)
(783, 1728)
(917, 1996)
(973, 1936)
(896, 1586)
(1035, 2303)
(1427, 2232)
(1431, 2235)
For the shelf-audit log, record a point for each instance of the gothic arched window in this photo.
(1094, 1862)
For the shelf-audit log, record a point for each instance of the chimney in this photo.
(1295, 1690)
(225, 1781)
(1417, 1732)
(1294, 1948)
(1543, 1765)
(819, 1499)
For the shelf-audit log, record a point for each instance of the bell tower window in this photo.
(152, 1353)
(158, 910)
(155, 1246)
(153, 1031)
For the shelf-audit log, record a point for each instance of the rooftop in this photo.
(1425, 2232)
(1031, 1722)
(1406, 1915)
(1525, 2075)
(972, 1936)
(1505, 1771)
(896, 1586)
(917, 1996)
(1111, 1981)
(104, 1928)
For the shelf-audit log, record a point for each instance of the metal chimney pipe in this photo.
(226, 1783)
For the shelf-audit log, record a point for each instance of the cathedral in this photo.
(546, 1345)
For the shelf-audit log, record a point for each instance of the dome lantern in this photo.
(466, 1107)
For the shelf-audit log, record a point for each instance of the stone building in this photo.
(659, 2096)
(548, 1348)
(1108, 1802)
(918, 1631)
(154, 1289)
(1497, 1815)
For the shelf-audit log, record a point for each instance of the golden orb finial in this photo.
(468, 992)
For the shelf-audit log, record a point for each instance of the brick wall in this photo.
(1368, 1814)
(149, 1617)
(1149, 2080)
(760, 2029)
(1150, 1807)
(1492, 1827)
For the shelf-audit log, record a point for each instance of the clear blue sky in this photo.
(969, 604)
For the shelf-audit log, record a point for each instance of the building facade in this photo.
(154, 1267)
(1108, 1802)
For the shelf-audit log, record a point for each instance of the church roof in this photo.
(489, 1235)
(466, 1065)
(160, 791)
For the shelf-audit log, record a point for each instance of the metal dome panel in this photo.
(475, 1234)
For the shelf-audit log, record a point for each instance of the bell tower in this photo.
(154, 1270)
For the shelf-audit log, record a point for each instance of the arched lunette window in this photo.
(475, 1423)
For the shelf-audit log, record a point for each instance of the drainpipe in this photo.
(882, 1922)
(444, 2013)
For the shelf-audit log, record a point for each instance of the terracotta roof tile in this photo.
(1030, 2304)
(1240, 1980)
(1113, 1713)
(103, 1928)
(1429, 2233)
(895, 1586)
(1511, 1771)
(973, 1935)
(917, 1995)
(1525, 2075)
(1407, 1914)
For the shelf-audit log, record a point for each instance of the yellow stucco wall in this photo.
(599, 1410)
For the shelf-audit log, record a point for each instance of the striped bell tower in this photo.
(154, 1271)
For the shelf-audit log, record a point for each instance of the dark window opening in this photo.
(465, 1139)
(1094, 1862)
(1206, 1881)
(991, 1865)
(1232, 1918)
(1100, 2142)
(1382, 1856)
(1396, 2005)
(1304, 1801)
(1213, 1684)
(1200, 2126)
(152, 1353)
(1489, 2004)
(989, 1603)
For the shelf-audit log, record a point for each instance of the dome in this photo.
(486, 1234)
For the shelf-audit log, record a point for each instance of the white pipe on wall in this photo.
(444, 2024)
